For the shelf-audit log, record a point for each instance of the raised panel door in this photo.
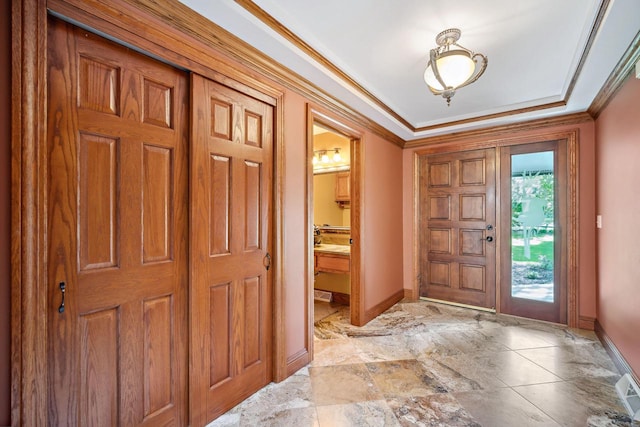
(457, 219)
(230, 212)
(117, 234)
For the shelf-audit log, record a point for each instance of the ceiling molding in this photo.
(569, 119)
(189, 22)
(602, 11)
(276, 26)
(493, 116)
(617, 78)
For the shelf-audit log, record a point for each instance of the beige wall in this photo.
(586, 207)
(382, 224)
(294, 222)
(618, 190)
(325, 208)
(333, 282)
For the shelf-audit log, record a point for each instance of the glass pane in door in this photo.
(532, 226)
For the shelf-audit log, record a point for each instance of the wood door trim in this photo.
(28, 214)
(314, 114)
(279, 319)
(572, 137)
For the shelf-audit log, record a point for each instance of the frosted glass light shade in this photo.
(455, 68)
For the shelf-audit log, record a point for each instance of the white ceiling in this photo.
(535, 49)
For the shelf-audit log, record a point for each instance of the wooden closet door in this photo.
(231, 298)
(117, 234)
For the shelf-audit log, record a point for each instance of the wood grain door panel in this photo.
(230, 214)
(457, 203)
(117, 234)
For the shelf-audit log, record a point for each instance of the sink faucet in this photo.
(316, 235)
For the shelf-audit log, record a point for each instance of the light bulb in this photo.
(336, 156)
(325, 157)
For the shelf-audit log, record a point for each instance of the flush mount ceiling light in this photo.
(452, 66)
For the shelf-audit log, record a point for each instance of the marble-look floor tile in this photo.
(362, 414)
(611, 419)
(455, 381)
(322, 309)
(438, 410)
(517, 338)
(299, 417)
(282, 399)
(333, 352)
(428, 364)
(577, 361)
(452, 342)
(342, 384)
(513, 369)
(403, 378)
(559, 335)
(507, 366)
(503, 408)
(570, 403)
(374, 349)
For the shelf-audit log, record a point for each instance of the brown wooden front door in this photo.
(231, 297)
(457, 227)
(117, 234)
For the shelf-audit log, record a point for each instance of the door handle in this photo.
(267, 261)
(489, 239)
(63, 288)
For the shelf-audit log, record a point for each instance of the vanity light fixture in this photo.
(452, 66)
(336, 155)
(324, 157)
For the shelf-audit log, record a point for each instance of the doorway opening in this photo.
(331, 222)
(334, 217)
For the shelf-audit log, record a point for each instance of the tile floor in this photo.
(426, 364)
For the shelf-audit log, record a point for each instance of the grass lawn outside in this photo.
(540, 244)
(537, 248)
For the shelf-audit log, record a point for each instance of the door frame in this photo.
(524, 305)
(572, 137)
(357, 309)
(29, 205)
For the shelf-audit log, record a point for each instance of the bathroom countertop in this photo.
(333, 249)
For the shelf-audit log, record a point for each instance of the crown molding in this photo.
(283, 31)
(275, 25)
(185, 20)
(617, 78)
(189, 22)
(494, 131)
(493, 116)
